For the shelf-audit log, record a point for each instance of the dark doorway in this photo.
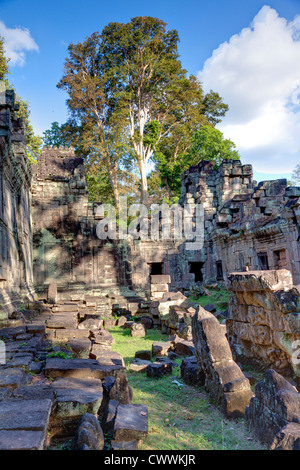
(263, 261)
(196, 269)
(156, 268)
(219, 271)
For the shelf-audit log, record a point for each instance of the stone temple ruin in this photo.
(50, 251)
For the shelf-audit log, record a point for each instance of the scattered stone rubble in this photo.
(57, 377)
(273, 413)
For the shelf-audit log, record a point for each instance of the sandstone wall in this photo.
(246, 224)
(264, 322)
(66, 248)
(16, 277)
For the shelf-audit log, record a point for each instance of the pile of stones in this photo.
(58, 367)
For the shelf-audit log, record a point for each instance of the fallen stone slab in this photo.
(80, 368)
(110, 415)
(121, 321)
(74, 397)
(26, 415)
(184, 348)
(75, 333)
(224, 380)
(160, 279)
(73, 308)
(143, 354)
(161, 348)
(121, 390)
(63, 320)
(12, 378)
(20, 360)
(103, 337)
(137, 330)
(131, 423)
(80, 347)
(34, 392)
(288, 438)
(90, 324)
(190, 372)
(34, 328)
(276, 403)
(107, 358)
(124, 445)
(22, 440)
(159, 369)
(109, 322)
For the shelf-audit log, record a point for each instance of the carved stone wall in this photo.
(16, 277)
(67, 250)
(264, 323)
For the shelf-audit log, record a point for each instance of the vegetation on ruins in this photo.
(3, 61)
(131, 102)
(34, 142)
(207, 143)
(181, 416)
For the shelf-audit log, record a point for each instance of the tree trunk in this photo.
(144, 182)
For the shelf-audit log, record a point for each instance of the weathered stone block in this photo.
(131, 423)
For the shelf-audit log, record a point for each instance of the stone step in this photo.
(24, 423)
(131, 423)
(75, 396)
(80, 368)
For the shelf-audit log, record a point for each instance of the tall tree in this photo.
(207, 143)
(142, 63)
(3, 60)
(94, 114)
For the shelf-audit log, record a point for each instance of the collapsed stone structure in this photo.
(50, 248)
(247, 225)
(264, 323)
(273, 413)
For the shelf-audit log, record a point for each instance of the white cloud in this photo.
(16, 42)
(257, 73)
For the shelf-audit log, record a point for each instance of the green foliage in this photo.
(3, 61)
(214, 108)
(55, 136)
(181, 416)
(33, 141)
(209, 144)
(60, 354)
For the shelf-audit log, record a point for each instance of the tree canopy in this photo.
(132, 103)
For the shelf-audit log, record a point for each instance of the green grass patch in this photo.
(219, 298)
(180, 417)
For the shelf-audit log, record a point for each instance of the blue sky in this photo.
(247, 50)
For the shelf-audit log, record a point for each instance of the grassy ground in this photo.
(219, 298)
(181, 417)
